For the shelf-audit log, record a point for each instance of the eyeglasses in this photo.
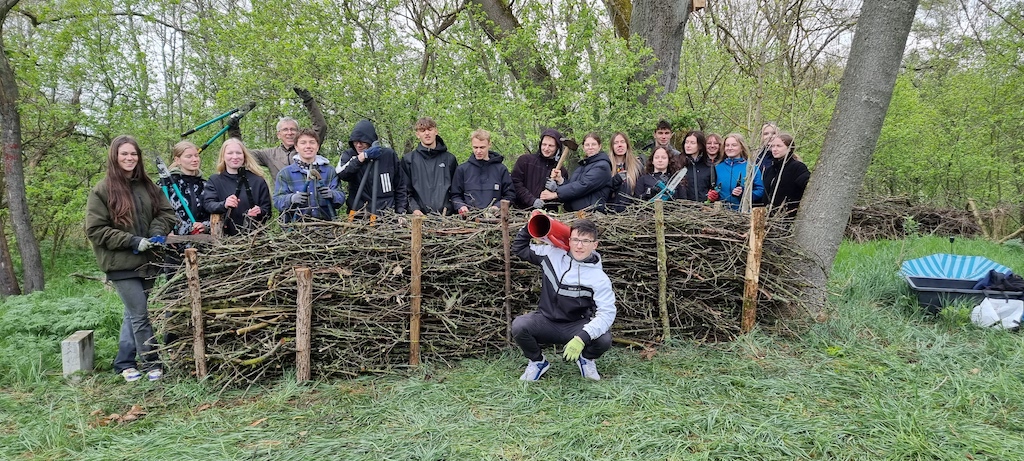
(288, 130)
(576, 241)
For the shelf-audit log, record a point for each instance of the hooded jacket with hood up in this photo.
(296, 178)
(588, 185)
(482, 183)
(570, 290)
(376, 184)
(428, 178)
(531, 172)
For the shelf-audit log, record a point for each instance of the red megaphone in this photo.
(548, 229)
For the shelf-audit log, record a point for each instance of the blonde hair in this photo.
(744, 150)
(632, 163)
(481, 135)
(250, 161)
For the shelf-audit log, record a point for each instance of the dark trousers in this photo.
(532, 331)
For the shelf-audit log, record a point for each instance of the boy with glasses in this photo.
(576, 307)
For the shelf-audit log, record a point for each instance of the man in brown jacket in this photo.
(278, 157)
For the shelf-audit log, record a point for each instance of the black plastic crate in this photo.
(934, 294)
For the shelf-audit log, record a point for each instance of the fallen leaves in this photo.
(135, 413)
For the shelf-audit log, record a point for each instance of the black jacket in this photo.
(785, 182)
(620, 194)
(428, 178)
(531, 172)
(221, 186)
(191, 189)
(588, 185)
(482, 183)
(700, 178)
(647, 186)
(376, 184)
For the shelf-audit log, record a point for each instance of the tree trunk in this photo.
(619, 11)
(14, 173)
(660, 24)
(864, 95)
(524, 67)
(8, 282)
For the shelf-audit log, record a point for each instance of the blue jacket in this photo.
(482, 183)
(588, 185)
(295, 178)
(732, 172)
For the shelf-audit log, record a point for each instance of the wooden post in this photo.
(216, 226)
(303, 323)
(659, 232)
(198, 326)
(415, 289)
(506, 243)
(757, 231)
(977, 217)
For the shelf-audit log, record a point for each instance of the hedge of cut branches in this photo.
(361, 289)
(887, 219)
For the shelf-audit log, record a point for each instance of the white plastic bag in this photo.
(992, 312)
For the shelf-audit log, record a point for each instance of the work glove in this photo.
(713, 195)
(551, 185)
(573, 349)
(325, 193)
(303, 93)
(300, 198)
(374, 151)
(538, 204)
(140, 245)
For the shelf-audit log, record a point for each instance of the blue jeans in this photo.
(136, 332)
(532, 330)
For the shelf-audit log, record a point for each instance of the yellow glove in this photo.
(573, 349)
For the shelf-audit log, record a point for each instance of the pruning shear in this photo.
(236, 114)
(165, 174)
(673, 182)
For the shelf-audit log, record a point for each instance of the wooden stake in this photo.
(506, 243)
(303, 323)
(198, 326)
(659, 231)
(757, 231)
(216, 226)
(415, 289)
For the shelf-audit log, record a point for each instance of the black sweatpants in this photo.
(532, 331)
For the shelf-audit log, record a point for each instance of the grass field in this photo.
(878, 380)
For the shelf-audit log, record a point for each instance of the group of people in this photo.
(128, 215)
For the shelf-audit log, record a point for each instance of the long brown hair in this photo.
(631, 163)
(120, 204)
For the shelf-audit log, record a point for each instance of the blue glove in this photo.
(374, 151)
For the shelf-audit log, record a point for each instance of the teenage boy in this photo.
(309, 185)
(429, 170)
(576, 307)
(483, 180)
(375, 182)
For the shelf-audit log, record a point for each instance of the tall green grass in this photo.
(880, 379)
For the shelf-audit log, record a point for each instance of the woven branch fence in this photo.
(234, 308)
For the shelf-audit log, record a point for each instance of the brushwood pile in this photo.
(361, 289)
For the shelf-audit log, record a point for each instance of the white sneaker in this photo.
(131, 374)
(534, 370)
(588, 369)
(155, 374)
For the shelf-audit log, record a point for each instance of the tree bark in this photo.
(660, 24)
(14, 172)
(8, 282)
(619, 11)
(864, 95)
(522, 63)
